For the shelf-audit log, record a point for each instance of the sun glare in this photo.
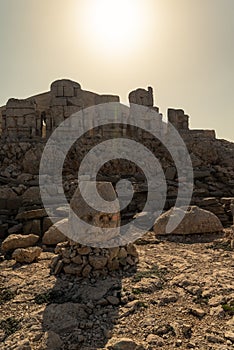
(114, 25)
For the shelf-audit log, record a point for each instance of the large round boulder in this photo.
(195, 221)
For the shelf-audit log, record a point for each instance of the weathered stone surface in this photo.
(31, 214)
(122, 344)
(15, 229)
(97, 262)
(96, 233)
(195, 221)
(54, 235)
(6, 193)
(31, 196)
(26, 255)
(31, 161)
(19, 241)
(52, 340)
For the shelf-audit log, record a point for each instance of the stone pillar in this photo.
(178, 119)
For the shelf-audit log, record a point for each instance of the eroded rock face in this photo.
(26, 255)
(195, 221)
(19, 241)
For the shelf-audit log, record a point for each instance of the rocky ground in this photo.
(181, 296)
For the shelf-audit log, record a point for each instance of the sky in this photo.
(184, 49)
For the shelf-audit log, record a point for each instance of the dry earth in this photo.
(181, 296)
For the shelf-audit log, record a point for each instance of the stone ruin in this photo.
(27, 124)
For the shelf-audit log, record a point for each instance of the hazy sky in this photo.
(184, 49)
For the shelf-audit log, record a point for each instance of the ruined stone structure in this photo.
(27, 124)
(24, 119)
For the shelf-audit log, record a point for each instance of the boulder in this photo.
(26, 255)
(19, 241)
(54, 235)
(195, 221)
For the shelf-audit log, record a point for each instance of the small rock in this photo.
(197, 312)
(86, 271)
(32, 214)
(122, 344)
(153, 339)
(26, 255)
(84, 250)
(229, 336)
(214, 339)
(113, 300)
(167, 298)
(77, 260)
(73, 269)
(97, 262)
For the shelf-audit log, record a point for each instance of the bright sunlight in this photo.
(115, 25)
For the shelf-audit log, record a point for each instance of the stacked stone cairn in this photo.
(89, 260)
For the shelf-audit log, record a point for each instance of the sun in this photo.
(114, 25)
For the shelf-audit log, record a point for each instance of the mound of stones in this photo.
(84, 261)
(197, 225)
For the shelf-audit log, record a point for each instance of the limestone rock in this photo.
(195, 221)
(26, 255)
(54, 236)
(31, 214)
(31, 161)
(123, 344)
(19, 241)
(97, 262)
(32, 196)
(6, 193)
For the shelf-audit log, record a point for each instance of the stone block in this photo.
(30, 120)
(36, 227)
(58, 101)
(11, 122)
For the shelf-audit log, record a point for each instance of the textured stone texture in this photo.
(54, 236)
(19, 241)
(26, 255)
(195, 221)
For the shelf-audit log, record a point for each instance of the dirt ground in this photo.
(180, 296)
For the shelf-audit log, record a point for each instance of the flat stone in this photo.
(19, 241)
(122, 344)
(32, 214)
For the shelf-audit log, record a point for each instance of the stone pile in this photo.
(83, 261)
